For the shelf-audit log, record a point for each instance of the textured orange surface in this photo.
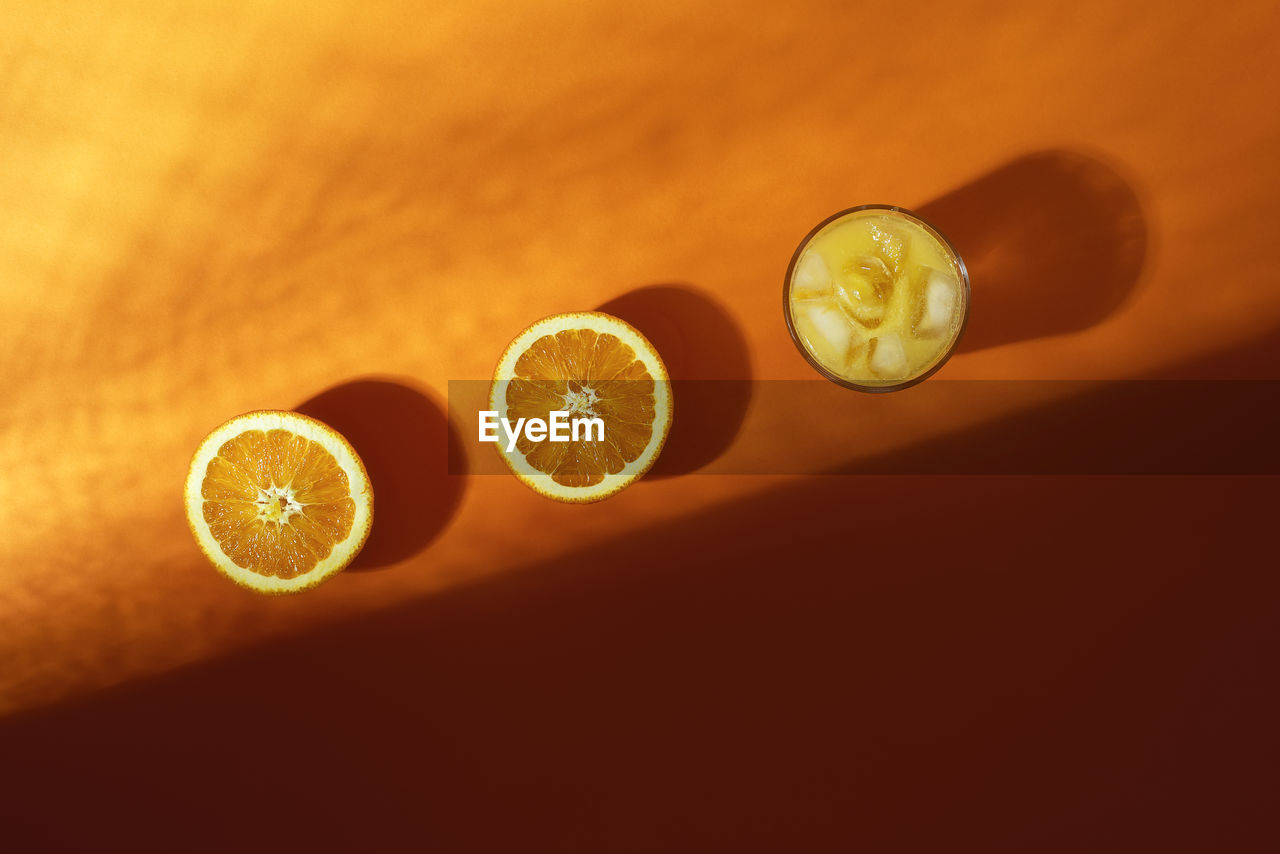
(216, 207)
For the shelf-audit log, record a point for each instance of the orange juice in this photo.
(876, 298)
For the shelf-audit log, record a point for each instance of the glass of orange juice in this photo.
(876, 298)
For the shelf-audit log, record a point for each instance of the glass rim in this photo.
(813, 361)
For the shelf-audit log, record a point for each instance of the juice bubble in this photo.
(891, 247)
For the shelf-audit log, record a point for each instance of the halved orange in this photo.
(278, 501)
(589, 365)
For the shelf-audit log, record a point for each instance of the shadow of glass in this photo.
(1054, 242)
(406, 442)
(710, 368)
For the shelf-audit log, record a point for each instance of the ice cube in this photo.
(888, 357)
(825, 331)
(812, 277)
(873, 269)
(939, 309)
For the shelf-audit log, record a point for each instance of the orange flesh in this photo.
(554, 372)
(277, 503)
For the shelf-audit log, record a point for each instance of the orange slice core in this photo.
(588, 374)
(276, 502)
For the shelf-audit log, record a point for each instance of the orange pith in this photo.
(589, 374)
(276, 502)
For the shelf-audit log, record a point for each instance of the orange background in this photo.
(216, 207)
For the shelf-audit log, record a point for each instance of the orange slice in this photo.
(590, 365)
(278, 501)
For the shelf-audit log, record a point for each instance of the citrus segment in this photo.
(278, 501)
(588, 365)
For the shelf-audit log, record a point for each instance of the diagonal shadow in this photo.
(891, 663)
